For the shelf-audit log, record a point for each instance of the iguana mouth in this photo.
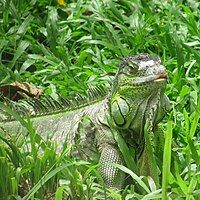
(146, 80)
(161, 77)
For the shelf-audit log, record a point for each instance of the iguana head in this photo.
(139, 84)
(142, 73)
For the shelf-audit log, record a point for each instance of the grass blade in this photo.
(166, 160)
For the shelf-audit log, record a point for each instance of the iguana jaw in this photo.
(149, 80)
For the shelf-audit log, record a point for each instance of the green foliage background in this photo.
(65, 48)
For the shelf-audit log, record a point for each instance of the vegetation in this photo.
(66, 46)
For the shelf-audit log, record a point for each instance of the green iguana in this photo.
(136, 96)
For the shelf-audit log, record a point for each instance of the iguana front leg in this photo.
(111, 175)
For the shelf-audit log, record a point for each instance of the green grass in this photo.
(66, 49)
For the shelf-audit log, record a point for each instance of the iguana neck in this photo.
(131, 111)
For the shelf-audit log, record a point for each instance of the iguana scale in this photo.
(135, 98)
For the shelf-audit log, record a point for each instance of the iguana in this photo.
(135, 98)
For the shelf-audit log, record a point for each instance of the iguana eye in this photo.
(133, 67)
